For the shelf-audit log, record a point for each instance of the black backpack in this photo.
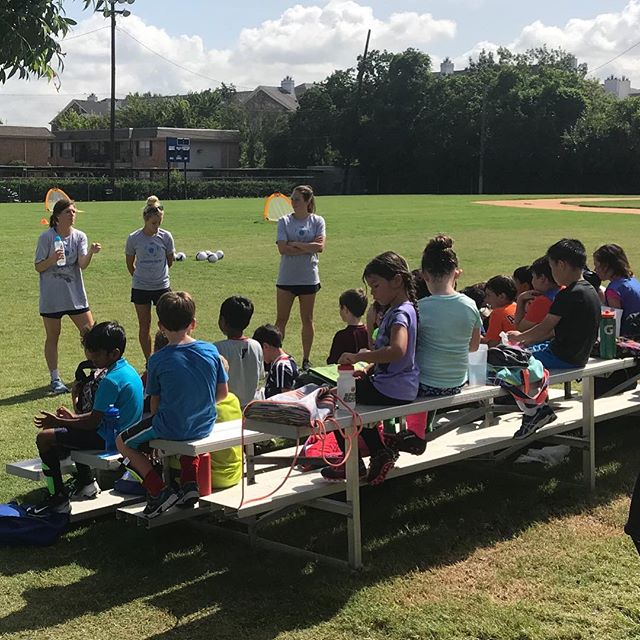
(86, 385)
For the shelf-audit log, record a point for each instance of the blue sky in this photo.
(170, 47)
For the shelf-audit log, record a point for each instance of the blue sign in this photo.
(178, 149)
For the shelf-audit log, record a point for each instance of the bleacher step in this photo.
(105, 503)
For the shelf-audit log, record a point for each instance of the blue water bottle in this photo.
(111, 423)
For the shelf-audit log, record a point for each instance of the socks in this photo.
(54, 375)
(153, 483)
(189, 469)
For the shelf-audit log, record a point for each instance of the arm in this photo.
(286, 248)
(521, 309)
(538, 333)
(154, 403)
(170, 258)
(49, 262)
(222, 390)
(83, 422)
(317, 246)
(611, 299)
(83, 261)
(474, 343)
(395, 350)
(130, 264)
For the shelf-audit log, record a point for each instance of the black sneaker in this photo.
(161, 503)
(338, 474)
(57, 503)
(306, 365)
(409, 442)
(188, 495)
(530, 424)
(380, 465)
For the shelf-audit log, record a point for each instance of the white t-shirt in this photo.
(246, 367)
(62, 288)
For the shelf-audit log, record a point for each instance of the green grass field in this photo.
(468, 551)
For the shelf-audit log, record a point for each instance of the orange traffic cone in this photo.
(44, 221)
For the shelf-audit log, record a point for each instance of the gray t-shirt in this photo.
(244, 356)
(151, 269)
(302, 269)
(62, 288)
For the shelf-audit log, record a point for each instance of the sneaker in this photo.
(188, 495)
(409, 442)
(338, 474)
(85, 492)
(306, 365)
(160, 503)
(58, 387)
(380, 465)
(530, 424)
(57, 503)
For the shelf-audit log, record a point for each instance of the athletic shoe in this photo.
(381, 463)
(188, 495)
(338, 474)
(530, 424)
(306, 365)
(86, 492)
(407, 441)
(57, 503)
(58, 387)
(160, 503)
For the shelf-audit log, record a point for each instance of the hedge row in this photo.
(35, 189)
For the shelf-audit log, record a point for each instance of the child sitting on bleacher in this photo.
(573, 320)
(522, 278)
(243, 354)
(121, 386)
(185, 381)
(448, 328)
(500, 295)
(393, 377)
(533, 305)
(283, 370)
(353, 304)
(610, 262)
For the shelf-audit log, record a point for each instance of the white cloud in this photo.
(305, 42)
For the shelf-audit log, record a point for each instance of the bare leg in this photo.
(139, 461)
(52, 330)
(284, 302)
(308, 331)
(83, 322)
(144, 328)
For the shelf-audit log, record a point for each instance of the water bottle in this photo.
(58, 245)
(347, 385)
(111, 423)
(608, 334)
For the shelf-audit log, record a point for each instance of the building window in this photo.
(51, 149)
(144, 148)
(66, 150)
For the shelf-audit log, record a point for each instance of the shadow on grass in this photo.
(415, 523)
(28, 396)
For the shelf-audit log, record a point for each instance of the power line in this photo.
(633, 46)
(175, 64)
(81, 35)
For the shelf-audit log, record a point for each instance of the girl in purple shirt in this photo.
(393, 375)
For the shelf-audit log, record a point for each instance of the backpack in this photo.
(18, 527)
(86, 385)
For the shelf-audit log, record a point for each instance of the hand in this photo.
(525, 296)
(46, 420)
(348, 358)
(95, 247)
(359, 373)
(514, 336)
(58, 255)
(63, 412)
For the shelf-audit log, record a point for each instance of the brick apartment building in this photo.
(25, 145)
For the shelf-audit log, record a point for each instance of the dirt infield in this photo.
(557, 204)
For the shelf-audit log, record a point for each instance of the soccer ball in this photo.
(220, 254)
(180, 256)
(201, 255)
(213, 257)
(209, 252)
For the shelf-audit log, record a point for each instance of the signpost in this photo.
(178, 150)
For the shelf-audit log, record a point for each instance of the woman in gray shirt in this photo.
(150, 253)
(300, 238)
(61, 286)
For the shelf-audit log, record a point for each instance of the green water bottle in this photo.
(608, 334)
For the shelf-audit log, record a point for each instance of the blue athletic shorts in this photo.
(543, 353)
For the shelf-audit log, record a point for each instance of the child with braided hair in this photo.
(393, 376)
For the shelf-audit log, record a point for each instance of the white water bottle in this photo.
(58, 245)
(347, 385)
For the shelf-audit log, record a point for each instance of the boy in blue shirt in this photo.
(185, 380)
(104, 345)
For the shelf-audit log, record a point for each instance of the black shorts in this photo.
(59, 314)
(300, 289)
(80, 439)
(367, 394)
(142, 296)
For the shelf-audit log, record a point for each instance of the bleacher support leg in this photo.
(353, 502)
(567, 390)
(249, 456)
(588, 434)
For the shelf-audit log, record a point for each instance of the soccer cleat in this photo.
(58, 387)
(380, 465)
(86, 492)
(57, 503)
(530, 424)
(338, 474)
(188, 495)
(160, 503)
(407, 441)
